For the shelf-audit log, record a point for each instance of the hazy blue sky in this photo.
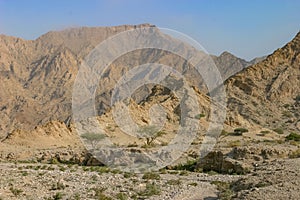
(247, 28)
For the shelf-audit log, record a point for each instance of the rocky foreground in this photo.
(277, 179)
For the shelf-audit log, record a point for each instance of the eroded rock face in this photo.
(38, 75)
(265, 94)
(217, 161)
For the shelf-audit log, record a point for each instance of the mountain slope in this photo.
(37, 76)
(267, 93)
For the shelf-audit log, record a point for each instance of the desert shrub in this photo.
(225, 192)
(293, 136)
(58, 186)
(239, 131)
(278, 130)
(128, 174)
(287, 114)
(190, 165)
(223, 132)
(297, 98)
(199, 116)
(15, 191)
(234, 143)
(264, 132)
(151, 175)
(100, 195)
(54, 161)
(58, 196)
(121, 196)
(193, 184)
(151, 133)
(262, 184)
(150, 190)
(133, 145)
(183, 173)
(295, 154)
(174, 182)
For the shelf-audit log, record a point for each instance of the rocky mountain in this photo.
(229, 64)
(37, 76)
(267, 93)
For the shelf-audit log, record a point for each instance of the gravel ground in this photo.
(45, 181)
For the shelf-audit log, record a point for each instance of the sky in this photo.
(246, 28)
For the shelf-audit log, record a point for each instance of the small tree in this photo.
(151, 133)
(93, 138)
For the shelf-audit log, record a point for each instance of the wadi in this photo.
(43, 155)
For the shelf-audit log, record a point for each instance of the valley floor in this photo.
(277, 179)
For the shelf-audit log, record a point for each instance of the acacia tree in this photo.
(93, 138)
(151, 133)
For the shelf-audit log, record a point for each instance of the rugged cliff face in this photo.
(267, 93)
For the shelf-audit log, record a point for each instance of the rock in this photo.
(90, 160)
(217, 161)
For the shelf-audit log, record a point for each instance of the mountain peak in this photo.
(226, 53)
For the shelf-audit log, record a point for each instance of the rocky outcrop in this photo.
(219, 162)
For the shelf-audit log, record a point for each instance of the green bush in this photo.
(297, 98)
(100, 195)
(58, 196)
(151, 133)
(58, 186)
(122, 196)
(151, 175)
(293, 136)
(199, 116)
(15, 191)
(188, 166)
(239, 131)
(295, 154)
(225, 192)
(151, 189)
(278, 130)
(174, 182)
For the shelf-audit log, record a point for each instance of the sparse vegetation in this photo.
(293, 136)
(234, 143)
(93, 138)
(193, 184)
(100, 195)
(58, 186)
(58, 196)
(188, 166)
(297, 99)
(174, 182)
(151, 189)
(295, 154)
(278, 130)
(199, 116)
(151, 133)
(264, 132)
(287, 114)
(121, 196)
(15, 191)
(151, 175)
(225, 192)
(262, 184)
(239, 131)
